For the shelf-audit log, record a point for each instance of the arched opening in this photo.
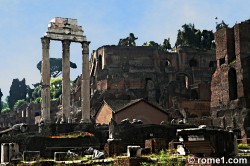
(93, 68)
(183, 84)
(100, 62)
(212, 64)
(167, 63)
(193, 63)
(232, 81)
(194, 94)
(164, 64)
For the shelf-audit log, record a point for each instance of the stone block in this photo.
(112, 148)
(31, 155)
(155, 144)
(134, 151)
(60, 156)
(132, 161)
(9, 151)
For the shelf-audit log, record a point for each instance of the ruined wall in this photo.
(145, 72)
(195, 108)
(104, 115)
(141, 111)
(230, 82)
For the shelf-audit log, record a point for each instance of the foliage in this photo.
(86, 158)
(75, 135)
(4, 105)
(55, 90)
(221, 25)
(195, 38)
(243, 146)
(19, 103)
(18, 91)
(166, 158)
(37, 100)
(55, 66)
(1, 104)
(128, 41)
(163, 47)
(55, 87)
(5, 109)
(36, 93)
(29, 94)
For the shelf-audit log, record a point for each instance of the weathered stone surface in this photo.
(230, 82)
(31, 155)
(45, 94)
(65, 29)
(128, 73)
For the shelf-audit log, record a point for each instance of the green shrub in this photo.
(5, 110)
(243, 146)
(19, 103)
(37, 100)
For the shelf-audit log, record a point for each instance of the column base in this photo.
(85, 121)
(63, 120)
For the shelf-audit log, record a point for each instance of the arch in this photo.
(193, 63)
(167, 63)
(232, 84)
(212, 64)
(194, 94)
(164, 64)
(100, 62)
(185, 78)
(93, 68)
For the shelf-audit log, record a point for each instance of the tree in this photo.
(18, 91)
(1, 104)
(36, 93)
(165, 46)
(221, 25)
(55, 87)
(195, 38)
(19, 103)
(55, 66)
(152, 44)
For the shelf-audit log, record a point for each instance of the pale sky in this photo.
(24, 22)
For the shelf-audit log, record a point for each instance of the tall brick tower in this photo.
(230, 99)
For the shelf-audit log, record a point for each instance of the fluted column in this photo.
(45, 94)
(66, 81)
(85, 88)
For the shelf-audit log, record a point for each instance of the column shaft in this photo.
(45, 94)
(85, 88)
(66, 80)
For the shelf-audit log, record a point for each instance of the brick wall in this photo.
(142, 111)
(104, 115)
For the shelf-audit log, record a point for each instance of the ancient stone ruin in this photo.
(230, 84)
(65, 30)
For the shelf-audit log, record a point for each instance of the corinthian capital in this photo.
(45, 42)
(85, 46)
(66, 44)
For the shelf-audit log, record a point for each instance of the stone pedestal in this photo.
(9, 151)
(31, 155)
(114, 148)
(134, 151)
(155, 144)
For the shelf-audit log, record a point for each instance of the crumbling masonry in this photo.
(230, 86)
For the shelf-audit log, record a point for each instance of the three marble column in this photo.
(85, 87)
